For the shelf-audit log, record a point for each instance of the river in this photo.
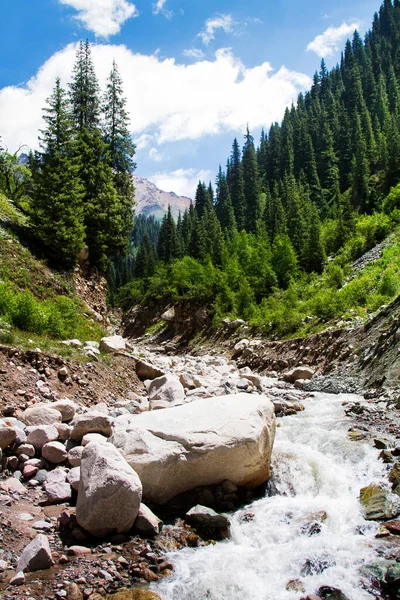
(315, 468)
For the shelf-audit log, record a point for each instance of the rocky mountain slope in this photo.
(150, 200)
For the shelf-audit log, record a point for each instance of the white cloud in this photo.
(103, 17)
(143, 141)
(156, 155)
(224, 22)
(167, 101)
(195, 53)
(182, 181)
(158, 6)
(328, 42)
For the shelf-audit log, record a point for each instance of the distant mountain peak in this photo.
(150, 200)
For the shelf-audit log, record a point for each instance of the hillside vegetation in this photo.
(275, 242)
(38, 306)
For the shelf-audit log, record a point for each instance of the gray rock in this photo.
(67, 408)
(147, 524)
(18, 579)
(75, 455)
(74, 477)
(36, 556)
(378, 503)
(41, 414)
(145, 370)
(93, 437)
(40, 435)
(298, 373)
(91, 422)
(207, 517)
(165, 391)
(113, 344)
(109, 493)
(27, 449)
(54, 452)
(56, 486)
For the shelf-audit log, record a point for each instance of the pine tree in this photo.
(168, 248)
(314, 256)
(236, 186)
(146, 258)
(251, 180)
(202, 199)
(360, 170)
(84, 90)
(223, 207)
(57, 195)
(121, 149)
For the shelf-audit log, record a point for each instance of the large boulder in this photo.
(379, 503)
(113, 344)
(67, 408)
(298, 373)
(199, 444)
(164, 391)
(41, 414)
(109, 493)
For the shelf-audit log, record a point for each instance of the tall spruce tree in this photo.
(236, 186)
(121, 149)
(107, 219)
(252, 188)
(57, 192)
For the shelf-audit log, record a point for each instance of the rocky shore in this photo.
(83, 444)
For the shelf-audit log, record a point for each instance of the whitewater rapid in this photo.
(315, 468)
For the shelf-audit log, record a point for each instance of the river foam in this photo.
(315, 468)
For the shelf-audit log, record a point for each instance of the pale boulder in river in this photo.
(109, 492)
(198, 444)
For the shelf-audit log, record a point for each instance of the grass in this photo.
(37, 303)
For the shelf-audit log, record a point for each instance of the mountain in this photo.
(150, 200)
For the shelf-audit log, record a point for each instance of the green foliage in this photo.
(60, 317)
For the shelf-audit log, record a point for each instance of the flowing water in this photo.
(316, 468)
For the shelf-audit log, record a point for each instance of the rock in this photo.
(73, 591)
(136, 594)
(145, 370)
(36, 556)
(169, 315)
(394, 475)
(63, 372)
(207, 517)
(75, 456)
(91, 422)
(56, 486)
(147, 524)
(199, 444)
(109, 493)
(7, 436)
(54, 452)
(330, 593)
(41, 414)
(240, 346)
(112, 344)
(93, 437)
(27, 449)
(164, 391)
(74, 477)
(298, 373)
(78, 551)
(67, 408)
(40, 435)
(392, 526)
(377, 503)
(295, 585)
(64, 431)
(73, 343)
(18, 579)
(233, 324)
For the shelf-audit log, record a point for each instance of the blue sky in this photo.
(195, 71)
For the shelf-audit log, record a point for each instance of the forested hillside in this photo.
(320, 184)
